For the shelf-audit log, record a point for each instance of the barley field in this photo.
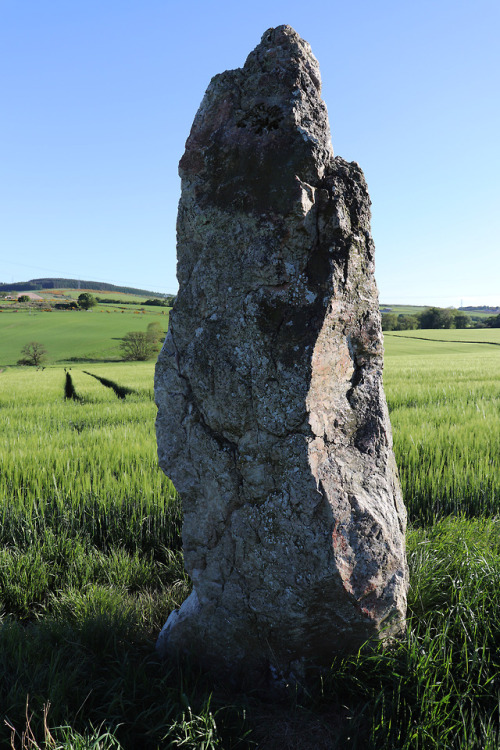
(91, 566)
(444, 401)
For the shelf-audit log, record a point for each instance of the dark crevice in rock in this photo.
(261, 119)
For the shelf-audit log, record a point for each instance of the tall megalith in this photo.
(272, 420)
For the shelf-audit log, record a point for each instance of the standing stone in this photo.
(272, 421)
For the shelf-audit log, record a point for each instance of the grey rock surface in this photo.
(272, 420)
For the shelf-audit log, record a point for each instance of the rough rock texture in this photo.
(272, 421)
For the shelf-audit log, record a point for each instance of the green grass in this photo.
(404, 309)
(68, 335)
(91, 565)
(69, 294)
(444, 400)
(476, 337)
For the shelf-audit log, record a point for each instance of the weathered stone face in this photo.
(272, 421)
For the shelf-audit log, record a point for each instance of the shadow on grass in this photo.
(69, 389)
(89, 661)
(120, 390)
(88, 649)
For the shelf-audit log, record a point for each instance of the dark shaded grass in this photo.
(89, 651)
(90, 659)
(136, 525)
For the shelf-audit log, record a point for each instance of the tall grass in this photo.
(81, 494)
(91, 565)
(445, 413)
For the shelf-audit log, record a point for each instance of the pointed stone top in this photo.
(282, 48)
(259, 125)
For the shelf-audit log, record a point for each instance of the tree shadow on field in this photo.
(120, 391)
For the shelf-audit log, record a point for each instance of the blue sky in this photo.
(98, 97)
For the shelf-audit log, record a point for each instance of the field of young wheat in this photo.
(91, 565)
(444, 400)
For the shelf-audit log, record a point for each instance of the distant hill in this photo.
(474, 312)
(34, 285)
(481, 309)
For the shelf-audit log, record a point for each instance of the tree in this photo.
(155, 334)
(86, 301)
(34, 354)
(436, 317)
(389, 321)
(23, 298)
(137, 346)
(406, 322)
(493, 322)
(461, 320)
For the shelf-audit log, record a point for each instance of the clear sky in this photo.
(98, 96)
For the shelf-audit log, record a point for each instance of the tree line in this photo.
(436, 317)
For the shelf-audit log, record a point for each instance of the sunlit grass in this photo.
(74, 336)
(91, 566)
(445, 414)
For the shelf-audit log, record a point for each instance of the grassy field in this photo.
(91, 565)
(85, 335)
(403, 309)
(103, 293)
(444, 399)
(448, 336)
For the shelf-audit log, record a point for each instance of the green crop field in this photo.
(64, 293)
(478, 337)
(91, 562)
(444, 400)
(403, 309)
